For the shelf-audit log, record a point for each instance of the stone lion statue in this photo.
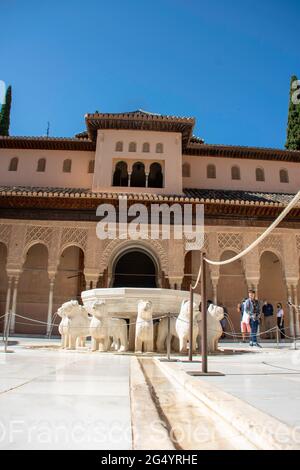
(75, 324)
(183, 325)
(163, 333)
(214, 329)
(144, 327)
(63, 328)
(105, 331)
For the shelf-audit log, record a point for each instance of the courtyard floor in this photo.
(51, 399)
(268, 379)
(54, 399)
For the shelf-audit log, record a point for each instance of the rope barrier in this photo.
(289, 207)
(57, 324)
(198, 279)
(233, 335)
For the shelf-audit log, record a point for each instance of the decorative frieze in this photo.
(5, 233)
(272, 243)
(230, 240)
(36, 233)
(74, 236)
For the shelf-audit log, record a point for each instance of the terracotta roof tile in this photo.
(243, 196)
(47, 143)
(196, 195)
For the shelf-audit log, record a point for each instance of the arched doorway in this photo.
(33, 292)
(232, 287)
(272, 286)
(135, 268)
(155, 179)
(69, 280)
(120, 177)
(138, 175)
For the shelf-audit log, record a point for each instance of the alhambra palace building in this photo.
(50, 189)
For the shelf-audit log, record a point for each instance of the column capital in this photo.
(175, 281)
(51, 275)
(292, 281)
(14, 273)
(252, 283)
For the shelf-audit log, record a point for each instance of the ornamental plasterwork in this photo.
(230, 240)
(272, 242)
(38, 234)
(298, 242)
(5, 233)
(74, 236)
(154, 244)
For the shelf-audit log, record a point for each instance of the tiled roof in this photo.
(190, 195)
(140, 120)
(47, 143)
(82, 135)
(238, 151)
(242, 196)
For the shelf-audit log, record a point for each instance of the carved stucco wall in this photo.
(98, 254)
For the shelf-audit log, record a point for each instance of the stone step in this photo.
(190, 423)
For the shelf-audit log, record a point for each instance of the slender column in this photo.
(14, 305)
(296, 302)
(8, 300)
(147, 177)
(50, 306)
(253, 285)
(175, 282)
(291, 330)
(129, 179)
(215, 291)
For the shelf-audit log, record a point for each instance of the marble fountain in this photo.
(121, 318)
(122, 302)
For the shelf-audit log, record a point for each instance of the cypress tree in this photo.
(293, 129)
(5, 113)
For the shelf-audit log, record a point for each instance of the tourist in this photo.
(224, 320)
(280, 320)
(268, 313)
(252, 314)
(245, 321)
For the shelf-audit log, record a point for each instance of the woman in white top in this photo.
(280, 319)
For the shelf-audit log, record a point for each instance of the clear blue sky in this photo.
(228, 63)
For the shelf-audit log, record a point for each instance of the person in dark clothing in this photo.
(252, 309)
(268, 318)
(224, 321)
(280, 320)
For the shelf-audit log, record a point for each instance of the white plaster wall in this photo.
(248, 181)
(171, 158)
(171, 161)
(26, 175)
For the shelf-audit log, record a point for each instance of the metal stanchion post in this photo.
(204, 317)
(6, 333)
(277, 336)
(295, 328)
(204, 349)
(169, 338)
(191, 324)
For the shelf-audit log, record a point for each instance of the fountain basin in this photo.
(123, 301)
